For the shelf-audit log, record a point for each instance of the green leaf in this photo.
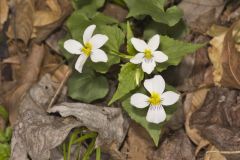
(102, 67)
(87, 86)
(127, 80)
(3, 113)
(155, 9)
(5, 150)
(88, 7)
(79, 21)
(139, 115)
(175, 50)
(115, 35)
(130, 49)
(176, 31)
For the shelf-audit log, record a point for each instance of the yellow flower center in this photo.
(148, 53)
(155, 99)
(87, 49)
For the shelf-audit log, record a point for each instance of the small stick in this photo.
(224, 152)
(59, 88)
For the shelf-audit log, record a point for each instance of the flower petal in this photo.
(73, 46)
(139, 100)
(159, 56)
(139, 45)
(80, 62)
(148, 65)
(169, 98)
(98, 55)
(98, 40)
(138, 58)
(154, 42)
(156, 114)
(88, 33)
(155, 84)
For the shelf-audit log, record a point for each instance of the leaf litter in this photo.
(205, 126)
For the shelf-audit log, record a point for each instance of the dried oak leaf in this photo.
(30, 21)
(36, 125)
(4, 8)
(225, 58)
(110, 123)
(213, 154)
(22, 22)
(46, 21)
(29, 75)
(138, 144)
(36, 133)
(192, 103)
(175, 146)
(201, 14)
(218, 121)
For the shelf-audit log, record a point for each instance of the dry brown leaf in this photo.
(29, 75)
(192, 103)
(226, 58)
(44, 17)
(59, 11)
(12, 60)
(33, 22)
(216, 155)
(176, 146)
(111, 125)
(22, 22)
(4, 8)
(218, 121)
(138, 144)
(201, 14)
(115, 11)
(35, 125)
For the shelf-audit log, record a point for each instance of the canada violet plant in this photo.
(141, 90)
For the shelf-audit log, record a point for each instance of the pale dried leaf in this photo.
(216, 155)
(110, 124)
(29, 75)
(138, 144)
(42, 18)
(35, 125)
(22, 22)
(225, 58)
(192, 103)
(201, 14)
(4, 8)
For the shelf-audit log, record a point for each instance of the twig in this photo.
(224, 152)
(59, 88)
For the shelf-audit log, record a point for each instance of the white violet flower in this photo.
(91, 46)
(157, 100)
(148, 55)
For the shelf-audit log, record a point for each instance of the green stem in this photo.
(84, 137)
(71, 141)
(98, 153)
(65, 151)
(89, 150)
(122, 55)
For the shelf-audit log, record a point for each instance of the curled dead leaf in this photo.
(4, 8)
(225, 58)
(33, 22)
(29, 75)
(47, 21)
(22, 22)
(218, 121)
(213, 154)
(192, 103)
(201, 14)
